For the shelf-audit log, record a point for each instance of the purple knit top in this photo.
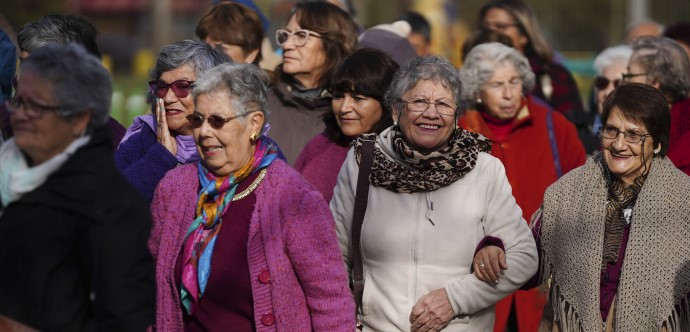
(320, 162)
(298, 279)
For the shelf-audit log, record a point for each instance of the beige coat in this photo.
(406, 256)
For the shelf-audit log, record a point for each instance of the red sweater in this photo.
(679, 141)
(526, 151)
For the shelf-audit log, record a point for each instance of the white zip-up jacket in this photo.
(406, 255)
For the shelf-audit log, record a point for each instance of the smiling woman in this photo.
(158, 142)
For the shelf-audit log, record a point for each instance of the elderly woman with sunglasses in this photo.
(158, 142)
(242, 241)
(535, 143)
(73, 232)
(663, 64)
(434, 193)
(316, 40)
(613, 234)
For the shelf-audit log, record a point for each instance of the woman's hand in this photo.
(163, 133)
(432, 312)
(488, 264)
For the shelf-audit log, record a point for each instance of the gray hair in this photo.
(200, 55)
(665, 62)
(58, 29)
(481, 64)
(80, 82)
(610, 56)
(433, 68)
(244, 83)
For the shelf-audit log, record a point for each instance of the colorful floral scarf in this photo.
(214, 199)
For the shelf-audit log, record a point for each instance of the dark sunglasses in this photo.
(601, 82)
(215, 121)
(180, 88)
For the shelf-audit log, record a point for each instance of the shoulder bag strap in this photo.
(361, 198)
(554, 144)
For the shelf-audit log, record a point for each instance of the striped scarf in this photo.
(214, 199)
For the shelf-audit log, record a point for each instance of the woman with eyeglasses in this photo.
(613, 234)
(315, 41)
(553, 82)
(434, 194)
(536, 144)
(663, 64)
(73, 232)
(156, 143)
(242, 242)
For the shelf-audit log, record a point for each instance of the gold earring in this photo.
(254, 137)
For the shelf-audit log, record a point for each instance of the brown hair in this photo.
(234, 24)
(338, 34)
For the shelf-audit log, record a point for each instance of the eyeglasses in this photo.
(499, 26)
(33, 109)
(610, 132)
(628, 76)
(180, 88)
(421, 105)
(300, 36)
(601, 82)
(215, 121)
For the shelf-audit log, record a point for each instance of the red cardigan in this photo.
(526, 151)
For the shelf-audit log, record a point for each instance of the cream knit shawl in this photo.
(655, 279)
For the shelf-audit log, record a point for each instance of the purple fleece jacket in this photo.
(291, 237)
(320, 162)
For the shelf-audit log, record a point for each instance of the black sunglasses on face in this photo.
(215, 121)
(601, 82)
(180, 88)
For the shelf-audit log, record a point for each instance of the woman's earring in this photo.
(479, 101)
(254, 137)
(657, 150)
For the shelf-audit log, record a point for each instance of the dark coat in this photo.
(73, 252)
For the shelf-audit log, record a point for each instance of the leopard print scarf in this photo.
(411, 171)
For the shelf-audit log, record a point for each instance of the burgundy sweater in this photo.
(320, 162)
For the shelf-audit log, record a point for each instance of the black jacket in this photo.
(73, 253)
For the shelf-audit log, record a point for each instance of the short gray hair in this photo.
(200, 55)
(433, 68)
(79, 80)
(58, 29)
(481, 64)
(244, 83)
(665, 62)
(610, 56)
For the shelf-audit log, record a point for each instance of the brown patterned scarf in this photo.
(415, 171)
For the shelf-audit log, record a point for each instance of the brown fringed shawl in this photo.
(655, 280)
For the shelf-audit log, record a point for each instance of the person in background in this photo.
(73, 232)
(612, 234)
(420, 37)
(535, 144)
(663, 64)
(434, 193)
(235, 28)
(483, 36)
(644, 28)
(62, 29)
(8, 65)
(156, 143)
(391, 39)
(242, 242)
(357, 108)
(680, 33)
(553, 82)
(315, 41)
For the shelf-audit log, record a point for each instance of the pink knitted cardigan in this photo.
(291, 235)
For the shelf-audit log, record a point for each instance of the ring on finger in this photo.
(481, 265)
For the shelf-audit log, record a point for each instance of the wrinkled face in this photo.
(500, 20)
(48, 134)
(235, 52)
(625, 160)
(229, 148)
(428, 130)
(419, 43)
(356, 114)
(502, 93)
(305, 63)
(614, 72)
(176, 109)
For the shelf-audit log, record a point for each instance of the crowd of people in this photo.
(355, 182)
